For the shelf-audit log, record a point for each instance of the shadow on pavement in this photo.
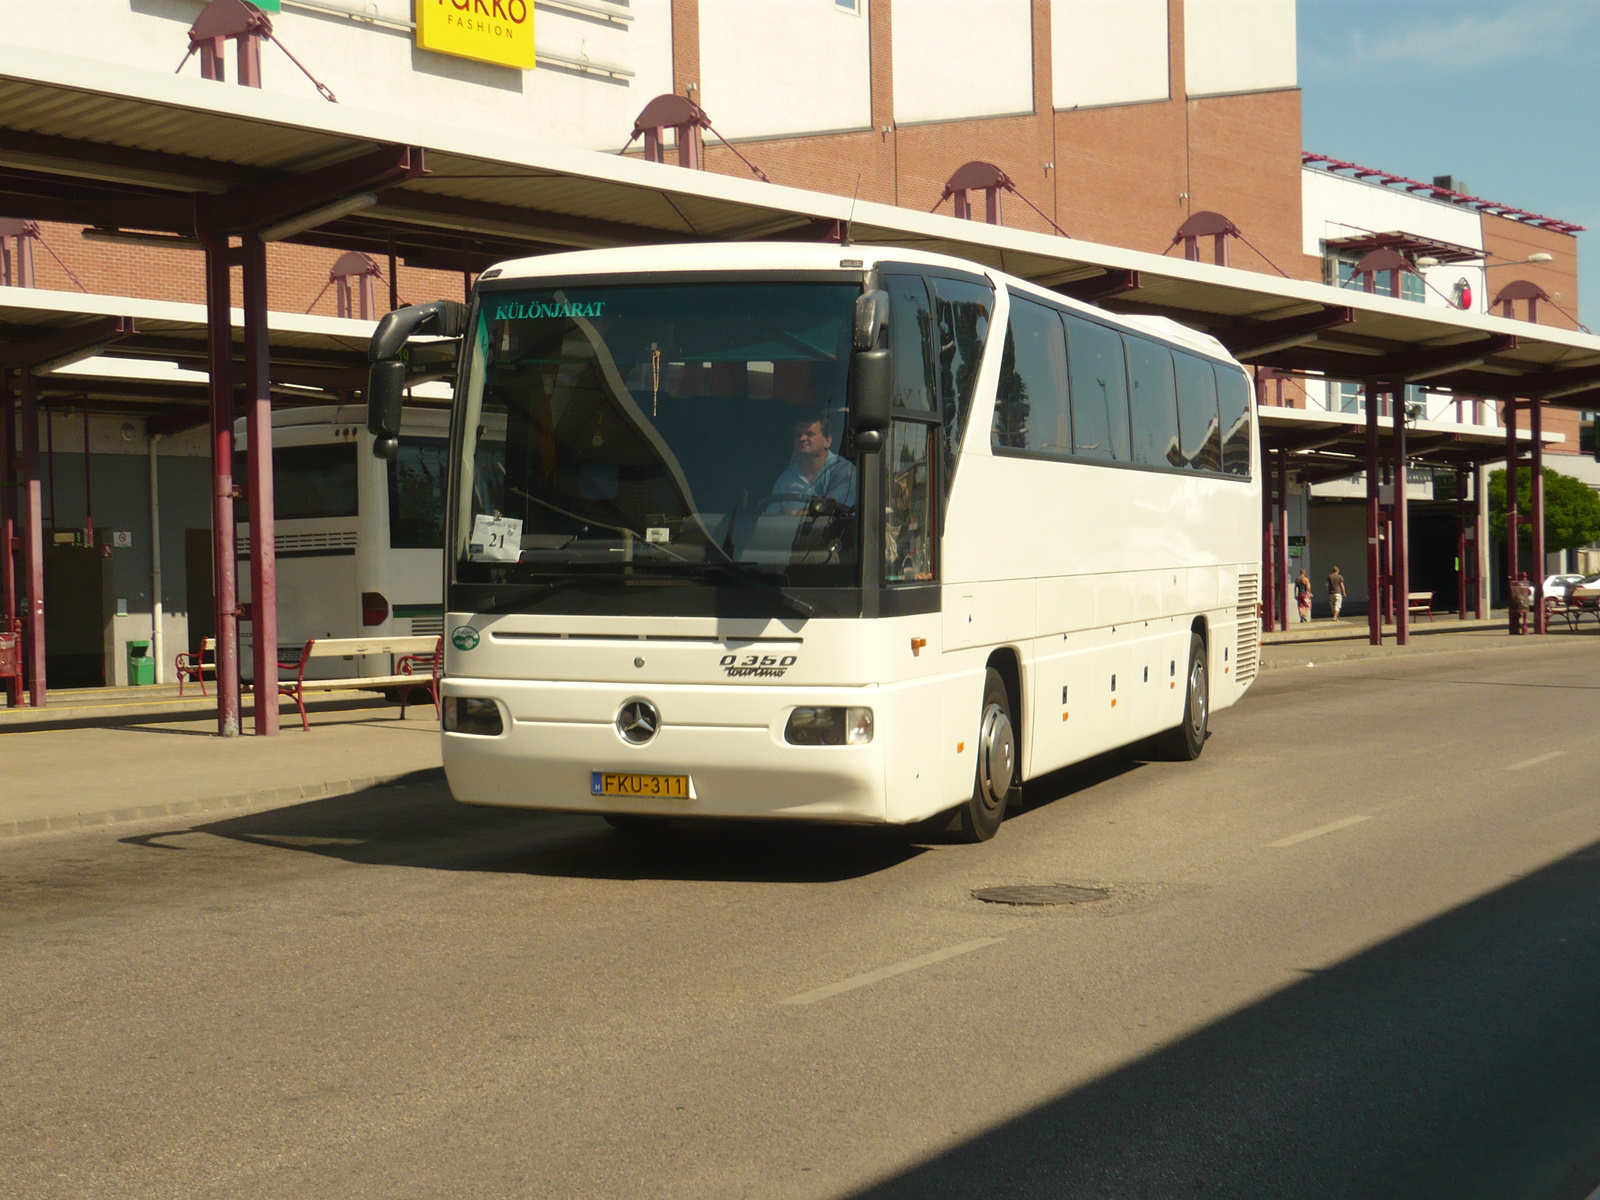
(1459, 1060)
(419, 825)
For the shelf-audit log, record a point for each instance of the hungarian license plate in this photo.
(617, 783)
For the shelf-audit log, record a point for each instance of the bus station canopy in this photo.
(1332, 445)
(149, 357)
(129, 150)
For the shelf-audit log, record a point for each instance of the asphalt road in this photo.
(1354, 951)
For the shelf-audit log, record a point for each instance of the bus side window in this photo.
(1153, 402)
(1197, 413)
(963, 311)
(1099, 376)
(1030, 409)
(908, 507)
(911, 338)
(1233, 392)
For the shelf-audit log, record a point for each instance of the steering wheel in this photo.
(811, 506)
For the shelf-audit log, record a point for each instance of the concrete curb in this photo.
(1309, 658)
(243, 802)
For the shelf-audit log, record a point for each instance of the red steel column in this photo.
(263, 555)
(1536, 502)
(224, 567)
(1269, 570)
(8, 526)
(1510, 411)
(32, 543)
(1374, 600)
(1282, 539)
(1401, 538)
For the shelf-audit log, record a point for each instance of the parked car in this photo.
(1557, 587)
(1585, 593)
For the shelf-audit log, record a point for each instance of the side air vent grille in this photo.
(300, 543)
(1247, 656)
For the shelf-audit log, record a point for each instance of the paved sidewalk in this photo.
(102, 774)
(1354, 628)
(1279, 651)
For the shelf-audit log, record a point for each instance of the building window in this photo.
(1352, 398)
(847, 6)
(1339, 269)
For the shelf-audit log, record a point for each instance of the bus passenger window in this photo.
(1099, 391)
(1233, 393)
(962, 328)
(1030, 409)
(1153, 402)
(908, 509)
(1197, 413)
(911, 339)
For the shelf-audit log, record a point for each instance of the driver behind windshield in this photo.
(814, 469)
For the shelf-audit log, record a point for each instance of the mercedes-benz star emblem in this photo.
(638, 721)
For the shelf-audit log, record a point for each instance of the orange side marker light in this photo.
(916, 646)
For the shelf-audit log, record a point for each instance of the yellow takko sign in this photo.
(496, 31)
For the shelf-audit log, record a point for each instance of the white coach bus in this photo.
(357, 538)
(847, 534)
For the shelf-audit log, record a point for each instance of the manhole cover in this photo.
(1040, 893)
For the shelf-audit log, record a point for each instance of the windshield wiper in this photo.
(524, 595)
(731, 568)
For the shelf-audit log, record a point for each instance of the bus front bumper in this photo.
(728, 741)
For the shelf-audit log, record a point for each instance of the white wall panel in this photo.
(379, 69)
(1333, 207)
(1238, 45)
(960, 58)
(1107, 53)
(770, 67)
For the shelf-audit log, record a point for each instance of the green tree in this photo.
(1571, 510)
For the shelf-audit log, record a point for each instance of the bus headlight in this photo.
(829, 727)
(472, 714)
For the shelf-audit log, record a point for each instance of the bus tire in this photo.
(1185, 741)
(994, 783)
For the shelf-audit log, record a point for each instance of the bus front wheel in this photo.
(995, 779)
(1187, 739)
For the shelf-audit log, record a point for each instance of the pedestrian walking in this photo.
(1302, 595)
(1335, 591)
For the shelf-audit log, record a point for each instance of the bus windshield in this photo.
(681, 432)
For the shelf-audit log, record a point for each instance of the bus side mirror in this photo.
(871, 383)
(386, 379)
(386, 392)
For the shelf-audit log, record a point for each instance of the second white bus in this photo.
(357, 538)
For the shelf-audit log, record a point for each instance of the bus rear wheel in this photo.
(1185, 741)
(995, 779)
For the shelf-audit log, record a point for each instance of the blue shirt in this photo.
(836, 481)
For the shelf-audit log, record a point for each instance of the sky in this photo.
(1504, 94)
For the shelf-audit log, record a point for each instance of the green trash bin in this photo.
(141, 667)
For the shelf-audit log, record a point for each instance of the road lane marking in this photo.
(882, 973)
(1534, 762)
(1331, 827)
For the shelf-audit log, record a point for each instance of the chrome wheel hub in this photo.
(1198, 698)
(997, 753)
